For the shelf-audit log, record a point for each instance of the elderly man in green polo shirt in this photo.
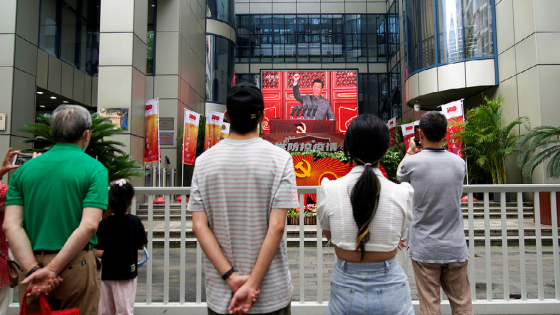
(53, 208)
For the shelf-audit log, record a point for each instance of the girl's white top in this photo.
(391, 220)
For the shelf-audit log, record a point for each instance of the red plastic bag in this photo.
(45, 307)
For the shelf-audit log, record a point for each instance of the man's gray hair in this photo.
(68, 123)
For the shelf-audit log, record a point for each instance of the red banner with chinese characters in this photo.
(407, 132)
(213, 130)
(190, 136)
(454, 113)
(151, 129)
(392, 125)
(297, 142)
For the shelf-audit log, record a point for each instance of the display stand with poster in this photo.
(151, 144)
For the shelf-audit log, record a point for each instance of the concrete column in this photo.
(122, 67)
(179, 66)
(19, 27)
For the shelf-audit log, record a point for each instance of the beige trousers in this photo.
(454, 280)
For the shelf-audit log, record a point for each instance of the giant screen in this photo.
(309, 101)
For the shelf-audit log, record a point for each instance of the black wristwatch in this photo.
(228, 273)
(32, 270)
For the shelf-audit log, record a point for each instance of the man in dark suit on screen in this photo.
(314, 106)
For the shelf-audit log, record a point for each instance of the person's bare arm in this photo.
(412, 149)
(327, 234)
(212, 250)
(17, 237)
(243, 298)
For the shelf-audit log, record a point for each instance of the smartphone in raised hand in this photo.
(21, 158)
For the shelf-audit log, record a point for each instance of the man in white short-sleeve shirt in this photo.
(241, 190)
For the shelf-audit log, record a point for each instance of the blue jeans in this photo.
(369, 288)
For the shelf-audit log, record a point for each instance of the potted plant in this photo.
(293, 216)
(310, 214)
(489, 138)
(118, 163)
(544, 140)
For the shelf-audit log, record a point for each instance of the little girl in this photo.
(120, 236)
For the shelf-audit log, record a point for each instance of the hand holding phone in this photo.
(21, 158)
(417, 136)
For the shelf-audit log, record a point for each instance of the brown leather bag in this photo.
(14, 269)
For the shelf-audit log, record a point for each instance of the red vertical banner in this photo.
(407, 132)
(151, 130)
(214, 121)
(454, 113)
(392, 125)
(190, 136)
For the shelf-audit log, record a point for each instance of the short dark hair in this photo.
(319, 81)
(434, 125)
(245, 105)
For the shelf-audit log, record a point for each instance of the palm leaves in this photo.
(488, 138)
(546, 139)
(118, 163)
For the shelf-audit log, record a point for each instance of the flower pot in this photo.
(310, 220)
(545, 208)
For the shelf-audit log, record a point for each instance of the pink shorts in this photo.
(117, 296)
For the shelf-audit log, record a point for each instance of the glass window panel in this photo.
(290, 51)
(479, 37)
(327, 52)
(219, 70)
(48, 28)
(450, 37)
(83, 46)
(68, 37)
(315, 52)
(279, 55)
(72, 3)
(303, 52)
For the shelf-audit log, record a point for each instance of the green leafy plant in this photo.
(545, 139)
(488, 138)
(118, 163)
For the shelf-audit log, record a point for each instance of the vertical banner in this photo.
(224, 134)
(407, 132)
(214, 121)
(151, 129)
(190, 136)
(392, 124)
(454, 113)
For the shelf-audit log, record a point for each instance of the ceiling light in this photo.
(39, 92)
(42, 106)
(53, 97)
(65, 102)
(153, 5)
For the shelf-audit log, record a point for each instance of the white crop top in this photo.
(394, 212)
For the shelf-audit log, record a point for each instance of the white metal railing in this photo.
(545, 300)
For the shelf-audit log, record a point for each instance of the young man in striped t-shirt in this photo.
(241, 190)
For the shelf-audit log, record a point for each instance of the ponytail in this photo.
(364, 200)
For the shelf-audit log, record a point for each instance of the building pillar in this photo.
(179, 68)
(19, 33)
(122, 68)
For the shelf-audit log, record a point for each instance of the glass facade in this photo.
(393, 29)
(464, 28)
(223, 10)
(220, 54)
(69, 30)
(324, 38)
(151, 38)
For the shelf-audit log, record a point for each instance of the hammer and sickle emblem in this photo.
(305, 172)
(301, 129)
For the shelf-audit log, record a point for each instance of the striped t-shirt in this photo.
(237, 183)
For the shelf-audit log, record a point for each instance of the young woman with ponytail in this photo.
(120, 236)
(364, 215)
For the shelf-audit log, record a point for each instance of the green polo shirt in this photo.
(53, 189)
